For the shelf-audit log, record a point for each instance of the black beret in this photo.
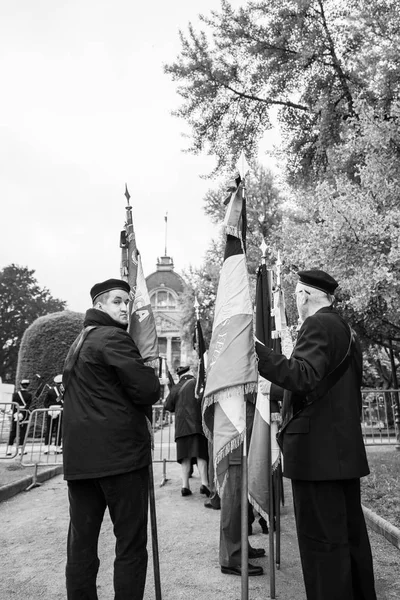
(107, 286)
(181, 370)
(319, 280)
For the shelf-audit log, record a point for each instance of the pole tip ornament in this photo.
(263, 247)
(242, 165)
(127, 194)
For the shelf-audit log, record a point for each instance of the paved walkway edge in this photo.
(15, 487)
(383, 527)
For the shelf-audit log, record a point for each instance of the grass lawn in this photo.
(380, 491)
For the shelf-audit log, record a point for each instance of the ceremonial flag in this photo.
(259, 463)
(202, 353)
(142, 326)
(264, 453)
(232, 366)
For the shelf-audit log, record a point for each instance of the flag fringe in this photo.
(258, 508)
(254, 502)
(234, 231)
(221, 454)
(228, 392)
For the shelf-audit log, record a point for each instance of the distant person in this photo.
(323, 449)
(22, 398)
(108, 394)
(191, 443)
(53, 402)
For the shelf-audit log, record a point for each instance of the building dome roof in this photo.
(167, 279)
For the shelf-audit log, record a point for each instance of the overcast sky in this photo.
(85, 107)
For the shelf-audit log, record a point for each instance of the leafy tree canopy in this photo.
(310, 59)
(351, 228)
(264, 210)
(21, 302)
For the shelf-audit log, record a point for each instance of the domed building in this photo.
(164, 287)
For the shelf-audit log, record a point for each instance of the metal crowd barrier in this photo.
(164, 449)
(42, 445)
(378, 421)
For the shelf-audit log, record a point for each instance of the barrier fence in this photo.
(380, 417)
(35, 437)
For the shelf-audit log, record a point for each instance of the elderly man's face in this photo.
(302, 297)
(116, 306)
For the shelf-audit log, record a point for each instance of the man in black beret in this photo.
(321, 439)
(106, 445)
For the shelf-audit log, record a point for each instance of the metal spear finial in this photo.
(127, 194)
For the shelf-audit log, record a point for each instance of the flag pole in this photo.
(129, 272)
(278, 474)
(244, 520)
(243, 169)
(154, 536)
(270, 480)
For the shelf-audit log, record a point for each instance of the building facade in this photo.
(164, 287)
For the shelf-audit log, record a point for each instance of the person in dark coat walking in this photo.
(23, 399)
(191, 443)
(323, 449)
(106, 445)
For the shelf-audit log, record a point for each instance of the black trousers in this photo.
(13, 433)
(126, 497)
(333, 540)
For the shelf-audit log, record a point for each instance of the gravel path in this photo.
(33, 534)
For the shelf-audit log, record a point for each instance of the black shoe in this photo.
(210, 504)
(256, 552)
(186, 492)
(253, 570)
(205, 491)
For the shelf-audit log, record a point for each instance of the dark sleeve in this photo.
(138, 380)
(170, 400)
(309, 364)
(28, 400)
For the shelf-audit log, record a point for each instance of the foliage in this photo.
(45, 345)
(202, 283)
(310, 59)
(350, 227)
(380, 491)
(21, 302)
(263, 214)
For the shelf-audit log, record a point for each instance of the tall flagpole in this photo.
(129, 271)
(243, 169)
(166, 224)
(269, 465)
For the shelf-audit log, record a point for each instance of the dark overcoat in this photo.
(105, 403)
(187, 408)
(324, 440)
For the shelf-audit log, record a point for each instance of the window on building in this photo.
(163, 300)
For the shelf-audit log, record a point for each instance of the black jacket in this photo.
(27, 398)
(110, 388)
(324, 441)
(186, 406)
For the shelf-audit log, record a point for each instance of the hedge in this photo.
(44, 347)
